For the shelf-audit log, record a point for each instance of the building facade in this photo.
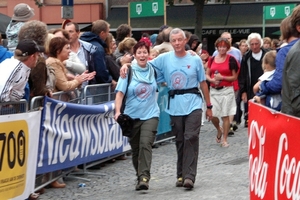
(240, 17)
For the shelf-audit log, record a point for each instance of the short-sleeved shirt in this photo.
(180, 73)
(234, 52)
(140, 97)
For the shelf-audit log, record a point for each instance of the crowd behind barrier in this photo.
(100, 94)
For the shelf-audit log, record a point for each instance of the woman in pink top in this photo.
(222, 71)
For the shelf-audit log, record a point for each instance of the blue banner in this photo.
(164, 118)
(73, 134)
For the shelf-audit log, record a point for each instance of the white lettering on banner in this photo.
(258, 168)
(209, 32)
(65, 135)
(94, 143)
(285, 171)
(74, 152)
(68, 137)
(102, 138)
(236, 31)
(58, 131)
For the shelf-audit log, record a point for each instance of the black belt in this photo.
(172, 93)
(219, 88)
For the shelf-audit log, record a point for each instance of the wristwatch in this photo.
(209, 106)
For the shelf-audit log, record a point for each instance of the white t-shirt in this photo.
(267, 76)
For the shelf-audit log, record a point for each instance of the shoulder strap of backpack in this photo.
(210, 61)
(128, 82)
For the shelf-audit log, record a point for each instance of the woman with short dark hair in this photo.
(59, 50)
(142, 106)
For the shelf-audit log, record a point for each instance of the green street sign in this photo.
(278, 11)
(151, 8)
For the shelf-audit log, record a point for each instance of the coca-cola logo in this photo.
(282, 176)
(258, 168)
(287, 177)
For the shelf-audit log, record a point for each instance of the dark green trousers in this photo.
(141, 142)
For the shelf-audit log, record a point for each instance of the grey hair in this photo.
(176, 31)
(35, 30)
(254, 36)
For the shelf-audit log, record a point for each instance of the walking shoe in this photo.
(246, 123)
(231, 133)
(234, 127)
(143, 184)
(188, 183)
(179, 182)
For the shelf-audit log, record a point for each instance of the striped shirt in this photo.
(13, 78)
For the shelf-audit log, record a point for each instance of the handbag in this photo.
(126, 124)
(125, 121)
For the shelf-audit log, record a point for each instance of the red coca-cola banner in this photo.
(274, 154)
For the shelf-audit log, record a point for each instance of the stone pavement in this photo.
(222, 174)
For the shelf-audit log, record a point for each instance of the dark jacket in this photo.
(113, 67)
(102, 74)
(38, 78)
(275, 84)
(191, 40)
(251, 70)
(291, 82)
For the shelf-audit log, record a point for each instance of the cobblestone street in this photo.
(222, 174)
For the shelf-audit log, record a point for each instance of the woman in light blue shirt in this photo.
(142, 106)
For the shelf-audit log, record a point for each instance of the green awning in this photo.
(183, 16)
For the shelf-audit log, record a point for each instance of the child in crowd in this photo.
(268, 65)
(153, 54)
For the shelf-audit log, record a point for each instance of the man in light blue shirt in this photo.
(183, 73)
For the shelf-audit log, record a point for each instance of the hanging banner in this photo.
(73, 134)
(164, 118)
(19, 137)
(274, 156)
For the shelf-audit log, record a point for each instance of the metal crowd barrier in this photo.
(73, 96)
(42, 180)
(36, 102)
(97, 94)
(90, 95)
(7, 108)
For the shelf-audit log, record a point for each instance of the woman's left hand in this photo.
(209, 114)
(88, 76)
(218, 77)
(91, 75)
(117, 115)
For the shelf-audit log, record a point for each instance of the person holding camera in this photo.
(142, 107)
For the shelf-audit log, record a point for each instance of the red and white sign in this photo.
(274, 154)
